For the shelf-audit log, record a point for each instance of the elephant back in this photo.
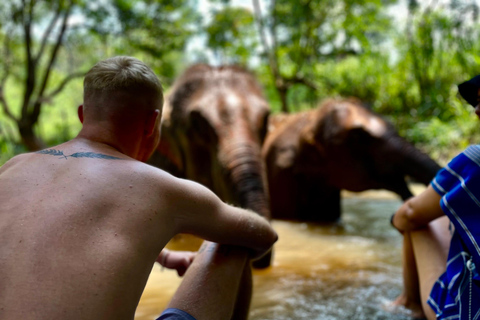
(337, 120)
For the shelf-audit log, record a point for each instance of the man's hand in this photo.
(178, 260)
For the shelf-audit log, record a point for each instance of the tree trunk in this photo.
(282, 92)
(29, 139)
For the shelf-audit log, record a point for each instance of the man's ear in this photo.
(153, 121)
(80, 113)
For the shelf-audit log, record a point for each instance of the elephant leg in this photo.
(398, 185)
(319, 202)
(264, 261)
(405, 194)
(283, 196)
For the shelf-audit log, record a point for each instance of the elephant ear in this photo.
(168, 155)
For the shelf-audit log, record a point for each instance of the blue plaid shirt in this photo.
(456, 294)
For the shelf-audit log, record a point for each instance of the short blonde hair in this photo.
(121, 73)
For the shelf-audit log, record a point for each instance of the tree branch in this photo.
(300, 80)
(7, 53)
(38, 103)
(47, 33)
(27, 26)
(7, 63)
(62, 85)
(261, 30)
(303, 48)
(5, 106)
(30, 80)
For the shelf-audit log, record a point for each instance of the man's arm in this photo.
(177, 260)
(198, 211)
(218, 284)
(418, 211)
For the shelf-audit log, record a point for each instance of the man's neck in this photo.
(103, 142)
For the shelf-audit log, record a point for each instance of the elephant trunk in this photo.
(415, 163)
(246, 175)
(245, 168)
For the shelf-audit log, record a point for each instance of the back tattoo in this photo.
(60, 154)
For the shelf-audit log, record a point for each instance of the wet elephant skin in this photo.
(311, 156)
(214, 123)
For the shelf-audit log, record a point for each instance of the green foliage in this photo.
(157, 27)
(438, 47)
(46, 44)
(326, 30)
(231, 34)
(312, 50)
(8, 147)
(59, 121)
(411, 78)
(444, 140)
(363, 77)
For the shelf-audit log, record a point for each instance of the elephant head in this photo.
(340, 145)
(215, 121)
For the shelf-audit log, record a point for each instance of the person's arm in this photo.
(418, 211)
(198, 211)
(177, 260)
(218, 284)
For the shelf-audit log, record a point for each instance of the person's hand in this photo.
(393, 224)
(177, 260)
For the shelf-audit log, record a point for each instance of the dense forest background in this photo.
(403, 59)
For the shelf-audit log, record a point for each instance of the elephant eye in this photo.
(201, 129)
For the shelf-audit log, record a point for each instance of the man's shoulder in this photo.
(145, 174)
(16, 160)
(141, 169)
(170, 187)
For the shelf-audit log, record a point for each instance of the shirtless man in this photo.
(82, 223)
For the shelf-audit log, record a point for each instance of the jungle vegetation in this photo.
(402, 58)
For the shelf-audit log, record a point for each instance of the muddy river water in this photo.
(344, 271)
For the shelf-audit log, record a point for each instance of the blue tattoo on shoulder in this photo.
(59, 153)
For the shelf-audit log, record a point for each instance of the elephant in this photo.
(311, 156)
(214, 123)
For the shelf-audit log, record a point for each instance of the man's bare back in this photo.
(79, 222)
(82, 223)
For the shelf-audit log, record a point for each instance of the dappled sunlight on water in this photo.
(342, 271)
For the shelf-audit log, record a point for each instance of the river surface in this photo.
(348, 270)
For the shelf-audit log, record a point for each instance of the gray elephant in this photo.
(214, 123)
(311, 156)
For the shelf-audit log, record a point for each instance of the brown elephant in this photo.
(311, 156)
(214, 123)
